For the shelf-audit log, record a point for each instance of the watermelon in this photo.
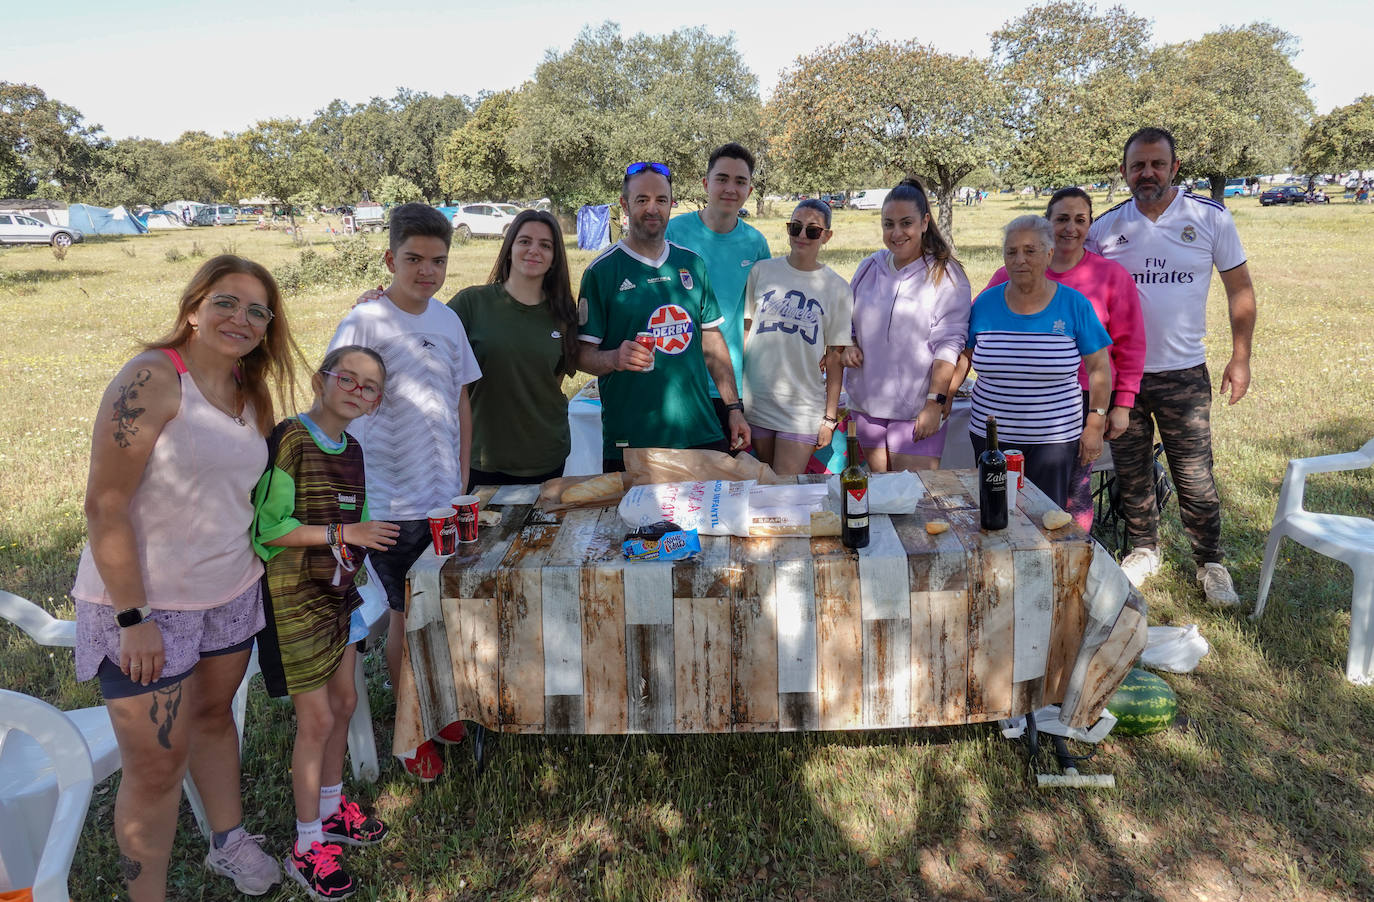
(1144, 704)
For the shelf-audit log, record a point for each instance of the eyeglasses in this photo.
(637, 168)
(227, 305)
(349, 384)
(813, 232)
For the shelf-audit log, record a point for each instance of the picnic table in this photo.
(540, 626)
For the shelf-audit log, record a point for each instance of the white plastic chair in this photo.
(45, 788)
(1349, 540)
(47, 630)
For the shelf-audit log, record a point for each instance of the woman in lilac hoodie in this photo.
(911, 312)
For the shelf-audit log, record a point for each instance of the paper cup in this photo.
(443, 528)
(466, 506)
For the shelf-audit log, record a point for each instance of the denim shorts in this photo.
(187, 636)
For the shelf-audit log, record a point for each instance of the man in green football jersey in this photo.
(657, 398)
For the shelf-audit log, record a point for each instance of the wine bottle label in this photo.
(856, 501)
(856, 522)
(995, 479)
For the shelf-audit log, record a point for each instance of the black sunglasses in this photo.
(813, 232)
(637, 168)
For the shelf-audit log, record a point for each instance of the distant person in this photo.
(419, 443)
(1027, 339)
(643, 283)
(312, 529)
(1116, 301)
(522, 326)
(911, 310)
(728, 245)
(1169, 242)
(168, 596)
(799, 314)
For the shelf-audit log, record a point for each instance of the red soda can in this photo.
(443, 528)
(650, 343)
(466, 506)
(1016, 460)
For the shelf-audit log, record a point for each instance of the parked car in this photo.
(486, 219)
(16, 228)
(369, 217)
(869, 199)
(216, 214)
(834, 200)
(1284, 194)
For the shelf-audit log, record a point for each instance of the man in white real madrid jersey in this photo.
(1169, 241)
(646, 284)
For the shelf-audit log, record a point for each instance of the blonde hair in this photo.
(271, 361)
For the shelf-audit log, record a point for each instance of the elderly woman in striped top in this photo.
(1026, 339)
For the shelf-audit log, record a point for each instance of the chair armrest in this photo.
(41, 627)
(1330, 463)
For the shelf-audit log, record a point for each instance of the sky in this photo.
(157, 68)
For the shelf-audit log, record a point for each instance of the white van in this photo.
(216, 214)
(869, 199)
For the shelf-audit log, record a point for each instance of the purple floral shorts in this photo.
(187, 636)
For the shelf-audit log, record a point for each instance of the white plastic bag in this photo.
(716, 508)
(888, 493)
(1177, 649)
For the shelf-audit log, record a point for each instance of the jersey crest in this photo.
(672, 327)
(686, 278)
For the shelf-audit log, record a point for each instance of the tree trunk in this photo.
(1112, 185)
(1218, 183)
(945, 193)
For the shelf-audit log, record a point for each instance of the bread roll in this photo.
(1056, 518)
(607, 485)
(935, 527)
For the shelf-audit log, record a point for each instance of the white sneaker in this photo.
(1141, 564)
(1217, 586)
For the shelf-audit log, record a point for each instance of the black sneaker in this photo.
(351, 827)
(319, 872)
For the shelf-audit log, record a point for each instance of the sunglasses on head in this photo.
(637, 168)
(813, 232)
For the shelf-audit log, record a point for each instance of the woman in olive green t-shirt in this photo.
(522, 326)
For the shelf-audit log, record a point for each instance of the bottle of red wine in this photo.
(992, 483)
(853, 497)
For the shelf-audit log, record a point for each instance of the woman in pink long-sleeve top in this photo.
(911, 312)
(1114, 296)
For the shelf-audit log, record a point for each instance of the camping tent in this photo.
(100, 221)
(594, 227)
(162, 219)
(186, 209)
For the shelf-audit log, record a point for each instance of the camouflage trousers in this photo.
(1179, 404)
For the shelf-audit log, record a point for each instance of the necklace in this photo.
(227, 408)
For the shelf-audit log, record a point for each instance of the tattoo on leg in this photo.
(129, 868)
(125, 412)
(169, 701)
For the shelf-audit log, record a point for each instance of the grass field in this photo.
(1265, 790)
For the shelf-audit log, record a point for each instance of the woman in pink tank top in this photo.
(167, 589)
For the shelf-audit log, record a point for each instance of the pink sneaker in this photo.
(351, 827)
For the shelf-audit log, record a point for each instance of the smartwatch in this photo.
(133, 616)
(738, 405)
(937, 398)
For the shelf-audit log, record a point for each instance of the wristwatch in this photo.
(833, 421)
(738, 405)
(1100, 411)
(133, 616)
(937, 397)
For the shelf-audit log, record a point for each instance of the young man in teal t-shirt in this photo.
(658, 399)
(729, 246)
